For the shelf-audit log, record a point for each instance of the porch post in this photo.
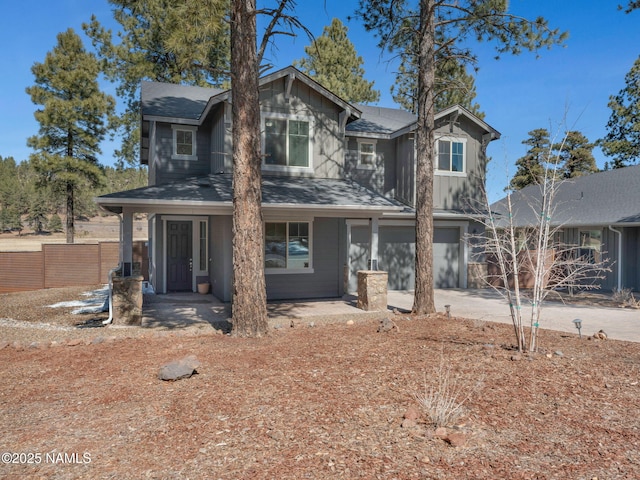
(464, 253)
(373, 262)
(126, 243)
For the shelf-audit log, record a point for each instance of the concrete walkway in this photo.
(175, 311)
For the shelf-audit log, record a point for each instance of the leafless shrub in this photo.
(625, 297)
(444, 395)
(621, 295)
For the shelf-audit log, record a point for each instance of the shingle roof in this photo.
(276, 191)
(174, 101)
(605, 198)
(381, 120)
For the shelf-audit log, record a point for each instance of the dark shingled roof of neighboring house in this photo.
(604, 198)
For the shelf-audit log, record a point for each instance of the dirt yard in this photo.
(323, 402)
(91, 231)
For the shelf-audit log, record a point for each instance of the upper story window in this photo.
(451, 156)
(287, 142)
(366, 154)
(184, 142)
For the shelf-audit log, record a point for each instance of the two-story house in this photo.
(338, 189)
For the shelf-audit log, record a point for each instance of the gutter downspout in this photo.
(619, 286)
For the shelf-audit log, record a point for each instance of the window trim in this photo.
(194, 142)
(451, 139)
(285, 270)
(374, 154)
(263, 134)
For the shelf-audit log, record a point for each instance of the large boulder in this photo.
(179, 369)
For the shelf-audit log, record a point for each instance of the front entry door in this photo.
(179, 256)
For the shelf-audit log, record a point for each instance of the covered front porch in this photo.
(186, 311)
(190, 233)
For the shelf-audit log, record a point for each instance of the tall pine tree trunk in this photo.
(249, 302)
(423, 302)
(70, 214)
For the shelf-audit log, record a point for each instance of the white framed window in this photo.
(184, 142)
(287, 247)
(451, 156)
(287, 142)
(591, 245)
(366, 154)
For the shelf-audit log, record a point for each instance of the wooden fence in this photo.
(526, 273)
(65, 265)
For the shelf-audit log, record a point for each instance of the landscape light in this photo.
(578, 324)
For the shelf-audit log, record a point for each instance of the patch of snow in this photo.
(97, 302)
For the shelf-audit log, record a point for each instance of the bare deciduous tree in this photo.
(536, 250)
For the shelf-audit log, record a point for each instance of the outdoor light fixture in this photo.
(448, 309)
(578, 323)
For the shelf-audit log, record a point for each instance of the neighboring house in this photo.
(338, 189)
(600, 213)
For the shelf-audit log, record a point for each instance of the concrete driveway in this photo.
(176, 311)
(486, 304)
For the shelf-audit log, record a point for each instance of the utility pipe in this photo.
(110, 319)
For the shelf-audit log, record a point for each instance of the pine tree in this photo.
(37, 216)
(174, 41)
(72, 120)
(622, 141)
(453, 85)
(55, 223)
(531, 167)
(575, 155)
(9, 184)
(249, 300)
(333, 62)
(432, 30)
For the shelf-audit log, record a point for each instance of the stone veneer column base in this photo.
(127, 300)
(372, 290)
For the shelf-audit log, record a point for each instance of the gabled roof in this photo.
(381, 120)
(599, 199)
(174, 101)
(192, 104)
(293, 74)
(215, 191)
(460, 110)
(392, 122)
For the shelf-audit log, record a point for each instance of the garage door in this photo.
(396, 255)
(446, 250)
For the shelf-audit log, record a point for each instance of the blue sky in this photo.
(566, 87)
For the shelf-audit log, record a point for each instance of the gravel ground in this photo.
(329, 402)
(27, 319)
